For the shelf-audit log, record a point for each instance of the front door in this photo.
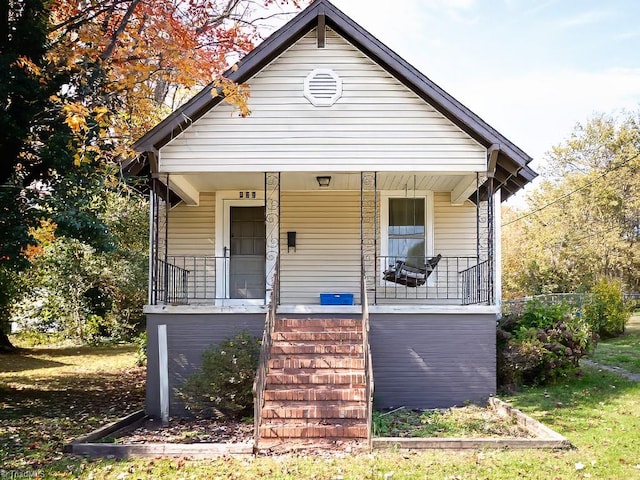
(247, 246)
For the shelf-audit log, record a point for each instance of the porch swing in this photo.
(412, 270)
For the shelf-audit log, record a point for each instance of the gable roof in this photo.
(511, 173)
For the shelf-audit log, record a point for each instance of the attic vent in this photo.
(322, 87)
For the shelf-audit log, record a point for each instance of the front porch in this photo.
(220, 250)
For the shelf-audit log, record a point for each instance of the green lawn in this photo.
(622, 351)
(49, 395)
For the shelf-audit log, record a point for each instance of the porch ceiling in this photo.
(461, 185)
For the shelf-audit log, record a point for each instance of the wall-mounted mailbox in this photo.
(291, 241)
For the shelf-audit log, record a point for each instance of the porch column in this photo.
(158, 238)
(485, 235)
(368, 230)
(272, 221)
(491, 239)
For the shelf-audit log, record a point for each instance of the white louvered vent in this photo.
(322, 87)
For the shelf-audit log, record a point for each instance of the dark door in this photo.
(247, 252)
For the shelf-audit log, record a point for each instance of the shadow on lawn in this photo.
(23, 362)
(71, 394)
(35, 358)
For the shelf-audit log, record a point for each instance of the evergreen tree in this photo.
(27, 120)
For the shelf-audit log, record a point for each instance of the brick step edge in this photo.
(316, 371)
(286, 393)
(302, 336)
(304, 323)
(286, 348)
(311, 430)
(291, 362)
(309, 412)
(351, 379)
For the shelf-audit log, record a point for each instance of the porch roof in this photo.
(511, 163)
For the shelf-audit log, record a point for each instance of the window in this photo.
(406, 228)
(406, 234)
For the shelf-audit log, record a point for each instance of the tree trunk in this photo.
(5, 344)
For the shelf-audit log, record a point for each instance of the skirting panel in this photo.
(188, 335)
(433, 361)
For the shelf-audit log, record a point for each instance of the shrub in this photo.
(224, 383)
(540, 315)
(605, 310)
(141, 353)
(545, 343)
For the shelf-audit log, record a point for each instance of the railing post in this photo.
(272, 222)
(369, 226)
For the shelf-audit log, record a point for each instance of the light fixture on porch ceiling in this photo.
(323, 180)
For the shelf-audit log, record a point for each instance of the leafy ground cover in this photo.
(467, 421)
(49, 395)
(623, 351)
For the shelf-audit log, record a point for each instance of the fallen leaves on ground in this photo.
(41, 411)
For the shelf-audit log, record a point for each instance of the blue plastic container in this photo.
(336, 299)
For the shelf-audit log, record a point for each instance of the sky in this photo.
(530, 68)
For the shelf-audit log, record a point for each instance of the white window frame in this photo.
(385, 196)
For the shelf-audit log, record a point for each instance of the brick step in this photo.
(314, 371)
(287, 348)
(327, 378)
(316, 411)
(313, 393)
(317, 324)
(288, 361)
(306, 429)
(336, 337)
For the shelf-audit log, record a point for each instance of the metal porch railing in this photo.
(265, 352)
(454, 280)
(476, 285)
(171, 285)
(193, 280)
(367, 353)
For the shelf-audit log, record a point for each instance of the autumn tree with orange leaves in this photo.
(82, 79)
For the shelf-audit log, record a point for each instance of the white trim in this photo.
(163, 373)
(202, 309)
(321, 309)
(152, 245)
(429, 223)
(225, 199)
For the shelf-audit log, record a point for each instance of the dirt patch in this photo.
(181, 430)
(459, 422)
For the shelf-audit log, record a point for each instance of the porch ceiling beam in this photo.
(184, 189)
(465, 187)
(321, 30)
(492, 157)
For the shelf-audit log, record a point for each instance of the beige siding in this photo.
(378, 124)
(454, 227)
(327, 257)
(454, 236)
(192, 244)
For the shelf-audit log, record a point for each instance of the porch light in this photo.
(323, 181)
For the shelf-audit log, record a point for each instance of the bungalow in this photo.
(352, 220)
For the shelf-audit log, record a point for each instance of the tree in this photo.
(583, 221)
(83, 79)
(147, 54)
(26, 122)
